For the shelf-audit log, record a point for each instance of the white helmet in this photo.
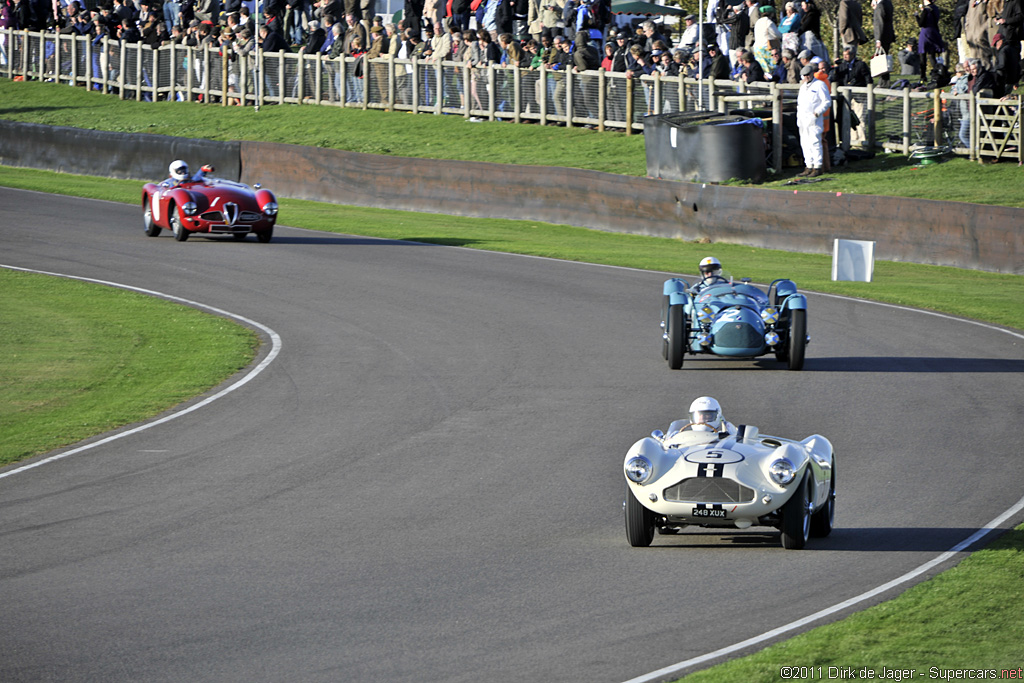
(710, 266)
(178, 170)
(706, 411)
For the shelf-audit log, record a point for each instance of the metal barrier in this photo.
(894, 120)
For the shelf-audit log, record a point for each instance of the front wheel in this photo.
(824, 519)
(797, 338)
(639, 522)
(180, 233)
(266, 235)
(796, 517)
(678, 335)
(152, 229)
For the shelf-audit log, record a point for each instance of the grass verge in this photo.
(82, 358)
(965, 619)
(972, 294)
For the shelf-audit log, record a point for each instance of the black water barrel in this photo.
(704, 147)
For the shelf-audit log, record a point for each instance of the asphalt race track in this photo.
(425, 485)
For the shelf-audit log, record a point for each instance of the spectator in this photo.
(791, 21)
(979, 27)
(739, 23)
(961, 85)
(811, 20)
(766, 38)
(752, 71)
(719, 69)
(885, 35)
(688, 41)
(650, 35)
(544, 16)
(850, 70)
(929, 42)
(778, 72)
(813, 104)
(1011, 23)
(850, 20)
(753, 10)
(982, 81)
(1006, 64)
(910, 61)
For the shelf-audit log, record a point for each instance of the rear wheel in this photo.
(180, 233)
(639, 522)
(678, 335)
(152, 229)
(797, 338)
(796, 517)
(823, 520)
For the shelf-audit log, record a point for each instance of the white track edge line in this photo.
(828, 611)
(275, 349)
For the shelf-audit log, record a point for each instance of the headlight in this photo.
(781, 471)
(639, 470)
(770, 315)
(189, 208)
(705, 339)
(270, 208)
(705, 316)
(771, 338)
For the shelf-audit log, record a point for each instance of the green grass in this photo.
(452, 137)
(969, 293)
(967, 617)
(81, 359)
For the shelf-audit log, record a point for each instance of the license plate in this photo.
(706, 512)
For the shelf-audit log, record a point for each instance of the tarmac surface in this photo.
(425, 484)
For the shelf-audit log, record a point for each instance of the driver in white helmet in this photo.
(179, 173)
(706, 416)
(710, 274)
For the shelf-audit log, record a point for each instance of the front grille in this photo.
(738, 336)
(243, 217)
(708, 490)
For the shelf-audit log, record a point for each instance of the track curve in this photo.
(426, 486)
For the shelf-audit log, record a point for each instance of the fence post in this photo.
(776, 127)
(602, 98)
(906, 121)
(869, 114)
(937, 117)
(629, 106)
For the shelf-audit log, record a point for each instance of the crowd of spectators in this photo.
(753, 41)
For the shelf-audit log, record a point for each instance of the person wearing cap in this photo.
(813, 103)
(719, 68)
(910, 60)
(691, 34)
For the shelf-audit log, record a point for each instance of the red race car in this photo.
(204, 205)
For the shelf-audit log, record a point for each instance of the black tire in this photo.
(796, 517)
(266, 235)
(239, 236)
(180, 233)
(639, 522)
(823, 520)
(151, 228)
(678, 335)
(797, 338)
(664, 321)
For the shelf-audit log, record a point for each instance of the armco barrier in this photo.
(944, 233)
(110, 155)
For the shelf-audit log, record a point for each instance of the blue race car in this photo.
(718, 317)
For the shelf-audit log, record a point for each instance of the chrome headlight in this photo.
(771, 338)
(189, 208)
(770, 315)
(639, 469)
(705, 339)
(705, 316)
(781, 471)
(270, 208)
